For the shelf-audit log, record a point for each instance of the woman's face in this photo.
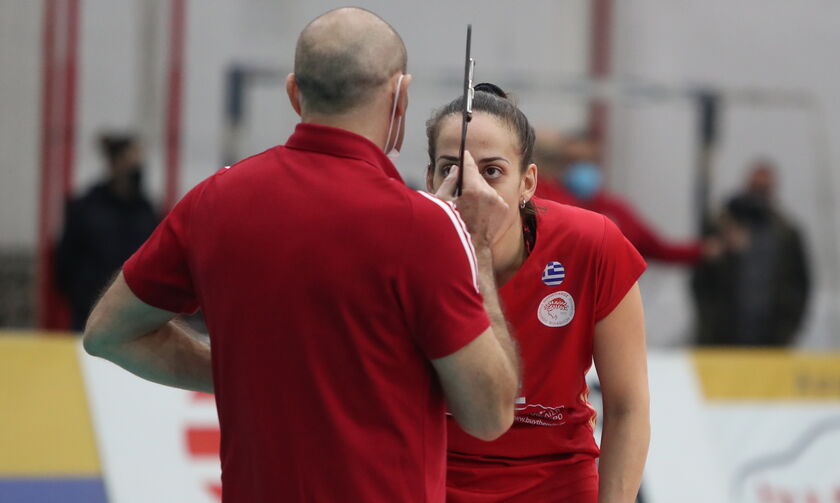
(495, 148)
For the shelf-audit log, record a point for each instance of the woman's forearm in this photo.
(624, 446)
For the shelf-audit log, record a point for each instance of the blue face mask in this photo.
(583, 179)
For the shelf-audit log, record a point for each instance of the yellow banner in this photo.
(45, 426)
(775, 375)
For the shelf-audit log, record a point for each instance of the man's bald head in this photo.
(343, 57)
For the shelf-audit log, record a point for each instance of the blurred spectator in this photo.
(754, 289)
(103, 227)
(570, 173)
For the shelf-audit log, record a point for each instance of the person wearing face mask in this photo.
(754, 291)
(346, 312)
(568, 283)
(103, 227)
(574, 176)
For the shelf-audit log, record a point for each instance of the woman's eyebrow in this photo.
(480, 161)
(492, 159)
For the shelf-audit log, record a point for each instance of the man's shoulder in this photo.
(430, 212)
(265, 158)
(241, 175)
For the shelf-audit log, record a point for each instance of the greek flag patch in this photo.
(553, 274)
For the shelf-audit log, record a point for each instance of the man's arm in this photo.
(146, 341)
(482, 379)
(621, 362)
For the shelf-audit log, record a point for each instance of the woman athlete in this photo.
(568, 282)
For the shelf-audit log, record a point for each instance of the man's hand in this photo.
(481, 207)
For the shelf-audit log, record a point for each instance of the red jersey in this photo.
(327, 285)
(650, 244)
(579, 269)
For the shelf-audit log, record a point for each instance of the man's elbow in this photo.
(93, 345)
(498, 414)
(495, 415)
(489, 426)
(93, 339)
(498, 427)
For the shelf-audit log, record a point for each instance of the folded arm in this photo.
(146, 341)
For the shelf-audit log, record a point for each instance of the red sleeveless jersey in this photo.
(579, 269)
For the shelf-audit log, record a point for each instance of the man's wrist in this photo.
(483, 252)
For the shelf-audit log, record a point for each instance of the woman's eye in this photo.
(492, 172)
(444, 170)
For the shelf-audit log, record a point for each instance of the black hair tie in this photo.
(486, 87)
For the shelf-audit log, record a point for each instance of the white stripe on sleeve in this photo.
(461, 230)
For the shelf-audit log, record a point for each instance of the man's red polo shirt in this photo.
(327, 285)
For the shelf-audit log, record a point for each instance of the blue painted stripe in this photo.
(58, 490)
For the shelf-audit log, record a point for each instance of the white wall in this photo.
(122, 78)
(519, 48)
(526, 47)
(20, 121)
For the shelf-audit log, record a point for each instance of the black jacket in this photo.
(715, 285)
(101, 231)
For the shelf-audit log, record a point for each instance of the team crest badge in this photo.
(553, 274)
(556, 309)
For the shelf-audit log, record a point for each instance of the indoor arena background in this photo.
(681, 95)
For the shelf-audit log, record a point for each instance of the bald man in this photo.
(345, 311)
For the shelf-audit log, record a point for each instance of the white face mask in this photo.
(392, 152)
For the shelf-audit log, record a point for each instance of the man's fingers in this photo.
(472, 177)
(470, 167)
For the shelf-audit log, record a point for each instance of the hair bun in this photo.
(486, 87)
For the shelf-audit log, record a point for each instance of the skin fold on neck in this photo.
(509, 254)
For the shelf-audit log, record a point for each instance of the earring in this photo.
(522, 204)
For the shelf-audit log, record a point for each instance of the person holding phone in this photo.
(568, 285)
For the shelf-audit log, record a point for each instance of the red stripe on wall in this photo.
(58, 120)
(48, 151)
(599, 67)
(47, 84)
(177, 38)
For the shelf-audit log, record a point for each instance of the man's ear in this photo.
(402, 105)
(293, 91)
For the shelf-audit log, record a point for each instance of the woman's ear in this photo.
(294, 92)
(529, 182)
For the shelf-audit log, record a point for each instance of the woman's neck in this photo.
(509, 254)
